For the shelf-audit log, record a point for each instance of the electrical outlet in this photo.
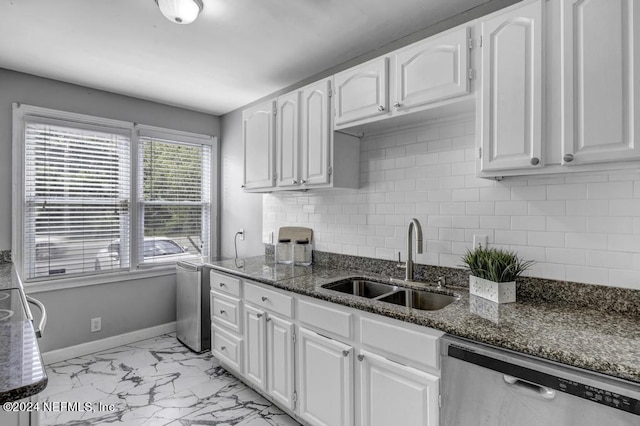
(96, 324)
(480, 241)
(241, 231)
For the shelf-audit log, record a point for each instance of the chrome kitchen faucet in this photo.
(413, 225)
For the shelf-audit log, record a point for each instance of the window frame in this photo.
(134, 130)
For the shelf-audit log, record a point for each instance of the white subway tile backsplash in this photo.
(609, 190)
(566, 256)
(586, 241)
(567, 192)
(582, 226)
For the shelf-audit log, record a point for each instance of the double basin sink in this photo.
(388, 292)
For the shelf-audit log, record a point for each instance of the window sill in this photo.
(86, 281)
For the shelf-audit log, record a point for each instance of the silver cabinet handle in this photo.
(222, 284)
(380, 108)
(242, 186)
(397, 105)
(345, 352)
(264, 298)
(43, 318)
(259, 315)
(222, 312)
(360, 357)
(535, 161)
(295, 182)
(303, 181)
(268, 319)
(568, 158)
(223, 348)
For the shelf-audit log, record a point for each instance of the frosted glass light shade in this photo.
(180, 11)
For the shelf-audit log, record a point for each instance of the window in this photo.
(174, 199)
(74, 216)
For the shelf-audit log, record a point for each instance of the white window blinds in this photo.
(77, 187)
(174, 200)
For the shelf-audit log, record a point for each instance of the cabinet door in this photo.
(280, 383)
(316, 133)
(510, 100)
(600, 45)
(392, 391)
(432, 70)
(326, 376)
(287, 140)
(361, 92)
(257, 139)
(254, 334)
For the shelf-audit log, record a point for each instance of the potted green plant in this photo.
(494, 272)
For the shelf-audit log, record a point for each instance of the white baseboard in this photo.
(107, 343)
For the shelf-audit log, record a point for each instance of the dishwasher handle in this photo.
(43, 318)
(543, 391)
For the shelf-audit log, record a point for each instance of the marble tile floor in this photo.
(157, 381)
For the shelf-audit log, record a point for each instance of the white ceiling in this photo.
(236, 52)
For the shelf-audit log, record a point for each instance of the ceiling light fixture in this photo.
(180, 11)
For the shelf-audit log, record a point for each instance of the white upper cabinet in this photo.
(362, 92)
(316, 133)
(287, 137)
(258, 143)
(600, 51)
(510, 102)
(432, 70)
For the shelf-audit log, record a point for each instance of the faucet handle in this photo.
(400, 265)
(442, 282)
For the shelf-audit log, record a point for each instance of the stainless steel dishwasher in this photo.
(193, 323)
(486, 386)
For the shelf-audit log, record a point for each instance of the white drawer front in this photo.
(400, 343)
(268, 299)
(225, 311)
(226, 347)
(225, 283)
(325, 318)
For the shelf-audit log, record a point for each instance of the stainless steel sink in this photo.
(361, 287)
(390, 293)
(419, 299)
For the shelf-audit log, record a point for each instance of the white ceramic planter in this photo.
(490, 290)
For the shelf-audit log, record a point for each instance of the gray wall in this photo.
(237, 209)
(124, 306)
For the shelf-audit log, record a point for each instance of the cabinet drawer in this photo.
(225, 311)
(225, 283)
(403, 344)
(325, 318)
(226, 347)
(268, 299)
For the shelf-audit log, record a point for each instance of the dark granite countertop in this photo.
(579, 336)
(22, 371)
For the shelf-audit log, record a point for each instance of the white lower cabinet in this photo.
(255, 360)
(326, 380)
(326, 364)
(392, 393)
(269, 354)
(280, 366)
